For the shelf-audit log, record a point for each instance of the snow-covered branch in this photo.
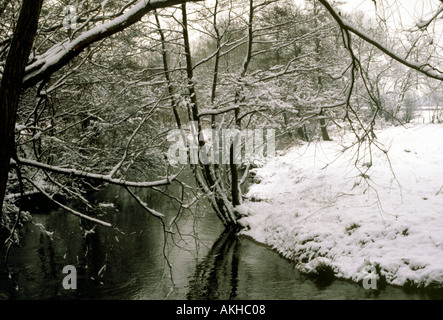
(96, 176)
(425, 23)
(61, 54)
(424, 68)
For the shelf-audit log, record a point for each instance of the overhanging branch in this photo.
(425, 69)
(58, 56)
(99, 177)
(70, 210)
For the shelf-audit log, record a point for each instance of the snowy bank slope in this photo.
(329, 215)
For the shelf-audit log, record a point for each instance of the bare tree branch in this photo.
(424, 24)
(423, 68)
(96, 176)
(70, 210)
(60, 55)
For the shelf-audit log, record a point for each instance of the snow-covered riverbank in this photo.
(313, 206)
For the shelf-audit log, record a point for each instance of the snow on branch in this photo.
(61, 54)
(100, 177)
(213, 112)
(425, 23)
(425, 68)
(70, 210)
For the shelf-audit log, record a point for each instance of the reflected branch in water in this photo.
(216, 277)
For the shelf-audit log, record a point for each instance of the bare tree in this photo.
(44, 65)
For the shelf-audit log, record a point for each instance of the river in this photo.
(132, 261)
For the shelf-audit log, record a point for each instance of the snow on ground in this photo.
(313, 206)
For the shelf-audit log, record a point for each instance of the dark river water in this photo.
(133, 261)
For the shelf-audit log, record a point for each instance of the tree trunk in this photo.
(11, 84)
(303, 133)
(235, 186)
(324, 129)
(323, 124)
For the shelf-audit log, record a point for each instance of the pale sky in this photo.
(405, 12)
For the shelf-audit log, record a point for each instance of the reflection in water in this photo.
(216, 277)
(239, 268)
(129, 263)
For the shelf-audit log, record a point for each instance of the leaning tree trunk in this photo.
(11, 84)
(323, 123)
